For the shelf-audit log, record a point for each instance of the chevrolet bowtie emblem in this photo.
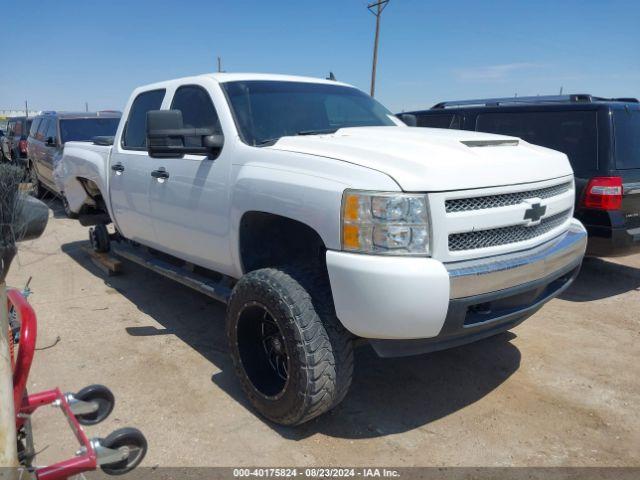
(535, 213)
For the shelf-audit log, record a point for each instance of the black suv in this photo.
(13, 145)
(601, 137)
(51, 130)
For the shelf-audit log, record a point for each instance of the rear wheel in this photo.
(292, 356)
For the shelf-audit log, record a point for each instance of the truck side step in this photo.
(217, 289)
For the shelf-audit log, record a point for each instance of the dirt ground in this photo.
(563, 389)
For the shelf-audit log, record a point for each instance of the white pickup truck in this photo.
(320, 219)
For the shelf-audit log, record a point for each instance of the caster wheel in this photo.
(135, 444)
(100, 395)
(99, 238)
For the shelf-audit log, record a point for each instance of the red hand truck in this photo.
(118, 453)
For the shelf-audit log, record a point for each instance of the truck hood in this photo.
(434, 159)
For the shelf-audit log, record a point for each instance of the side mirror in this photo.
(408, 118)
(51, 142)
(167, 137)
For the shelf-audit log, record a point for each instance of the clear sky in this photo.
(60, 53)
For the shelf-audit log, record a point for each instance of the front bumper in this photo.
(403, 298)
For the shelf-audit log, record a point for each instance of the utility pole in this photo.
(376, 8)
(219, 64)
(86, 106)
(26, 108)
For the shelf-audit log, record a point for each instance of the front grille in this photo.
(505, 235)
(503, 200)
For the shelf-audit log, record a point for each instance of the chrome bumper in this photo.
(475, 277)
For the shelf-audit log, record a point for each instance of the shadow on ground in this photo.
(387, 396)
(600, 278)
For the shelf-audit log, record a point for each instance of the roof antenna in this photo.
(331, 77)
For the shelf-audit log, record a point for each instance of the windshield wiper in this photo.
(317, 132)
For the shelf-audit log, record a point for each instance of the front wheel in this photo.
(292, 356)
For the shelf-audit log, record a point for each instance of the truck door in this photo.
(130, 169)
(190, 207)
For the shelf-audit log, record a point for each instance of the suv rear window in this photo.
(626, 125)
(85, 129)
(574, 133)
(442, 120)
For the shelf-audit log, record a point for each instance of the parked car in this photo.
(320, 218)
(601, 137)
(13, 144)
(49, 133)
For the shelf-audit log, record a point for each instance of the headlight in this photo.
(385, 223)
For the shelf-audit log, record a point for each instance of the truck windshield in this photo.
(626, 124)
(268, 110)
(85, 129)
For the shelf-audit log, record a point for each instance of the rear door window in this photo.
(17, 130)
(574, 133)
(626, 125)
(85, 129)
(441, 120)
(135, 134)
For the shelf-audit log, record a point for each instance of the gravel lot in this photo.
(562, 389)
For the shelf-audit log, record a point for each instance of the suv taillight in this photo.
(22, 145)
(603, 193)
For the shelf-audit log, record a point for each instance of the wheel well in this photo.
(268, 240)
(93, 192)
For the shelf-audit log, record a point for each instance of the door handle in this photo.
(160, 174)
(118, 168)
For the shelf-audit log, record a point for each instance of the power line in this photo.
(376, 8)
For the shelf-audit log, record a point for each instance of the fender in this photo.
(83, 161)
(283, 187)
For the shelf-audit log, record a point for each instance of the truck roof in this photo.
(236, 77)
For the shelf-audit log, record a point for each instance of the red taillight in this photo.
(603, 193)
(22, 145)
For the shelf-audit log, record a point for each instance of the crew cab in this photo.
(320, 219)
